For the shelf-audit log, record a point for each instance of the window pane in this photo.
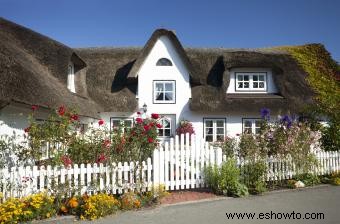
(219, 123)
(166, 123)
(220, 131)
(247, 130)
(160, 132)
(168, 86)
(167, 132)
(209, 138)
(246, 85)
(115, 123)
(159, 87)
(240, 85)
(168, 96)
(209, 131)
(128, 123)
(257, 130)
(261, 85)
(261, 77)
(255, 77)
(159, 96)
(240, 78)
(220, 137)
(258, 123)
(246, 77)
(255, 85)
(208, 123)
(247, 124)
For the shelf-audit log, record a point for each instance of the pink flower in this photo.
(101, 158)
(66, 161)
(34, 107)
(101, 122)
(159, 125)
(74, 117)
(146, 127)
(106, 143)
(155, 116)
(139, 120)
(61, 110)
(27, 129)
(150, 140)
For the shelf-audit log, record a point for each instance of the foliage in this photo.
(322, 71)
(184, 127)
(291, 183)
(8, 145)
(229, 147)
(331, 137)
(153, 196)
(130, 200)
(36, 206)
(98, 205)
(335, 178)
(308, 179)
(253, 175)
(70, 144)
(225, 180)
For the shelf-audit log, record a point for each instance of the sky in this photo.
(197, 23)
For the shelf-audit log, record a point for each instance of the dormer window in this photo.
(251, 81)
(70, 78)
(164, 62)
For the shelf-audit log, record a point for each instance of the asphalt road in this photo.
(307, 202)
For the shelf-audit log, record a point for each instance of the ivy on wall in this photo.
(322, 71)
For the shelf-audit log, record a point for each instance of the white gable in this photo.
(149, 72)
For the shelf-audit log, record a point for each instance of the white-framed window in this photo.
(249, 81)
(126, 123)
(164, 91)
(251, 125)
(70, 78)
(166, 129)
(214, 129)
(163, 62)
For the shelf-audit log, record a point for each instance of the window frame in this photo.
(120, 119)
(70, 78)
(159, 62)
(251, 81)
(163, 101)
(172, 118)
(214, 135)
(253, 124)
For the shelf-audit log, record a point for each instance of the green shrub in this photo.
(308, 179)
(253, 175)
(225, 180)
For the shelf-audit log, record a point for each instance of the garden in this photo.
(118, 174)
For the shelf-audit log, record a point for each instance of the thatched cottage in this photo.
(221, 91)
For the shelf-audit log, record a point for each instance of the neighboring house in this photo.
(221, 91)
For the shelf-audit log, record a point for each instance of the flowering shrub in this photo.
(69, 144)
(154, 195)
(185, 127)
(99, 205)
(130, 200)
(37, 206)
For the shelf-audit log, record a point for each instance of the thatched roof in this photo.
(33, 70)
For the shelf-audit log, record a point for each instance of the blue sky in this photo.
(210, 23)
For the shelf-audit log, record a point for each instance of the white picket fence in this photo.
(176, 164)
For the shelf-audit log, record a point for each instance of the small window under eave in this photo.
(70, 78)
(164, 62)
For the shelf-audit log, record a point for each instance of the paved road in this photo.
(325, 199)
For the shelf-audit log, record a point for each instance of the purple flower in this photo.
(286, 120)
(265, 113)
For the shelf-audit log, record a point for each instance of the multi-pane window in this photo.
(164, 92)
(164, 62)
(251, 126)
(70, 78)
(214, 130)
(165, 130)
(251, 81)
(125, 123)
